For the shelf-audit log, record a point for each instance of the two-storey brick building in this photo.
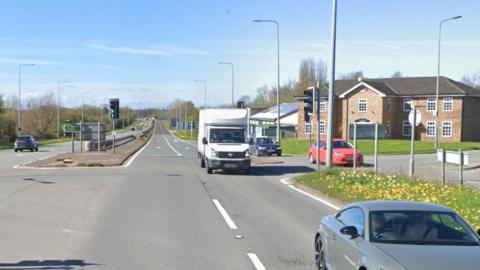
(388, 101)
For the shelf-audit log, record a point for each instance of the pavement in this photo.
(162, 211)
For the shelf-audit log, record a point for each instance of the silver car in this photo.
(396, 235)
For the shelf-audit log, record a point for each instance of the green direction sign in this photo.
(71, 128)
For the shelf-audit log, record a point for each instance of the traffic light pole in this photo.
(316, 106)
(113, 135)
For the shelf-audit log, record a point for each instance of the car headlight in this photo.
(247, 153)
(213, 152)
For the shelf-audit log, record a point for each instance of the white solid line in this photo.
(225, 215)
(132, 158)
(286, 181)
(256, 261)
(171, 147)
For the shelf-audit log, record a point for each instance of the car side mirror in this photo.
(349, 230)
(204, 140)
(250, 142)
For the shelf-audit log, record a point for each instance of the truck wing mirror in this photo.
(204, 140)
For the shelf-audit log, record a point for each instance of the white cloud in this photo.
(160, 50)
(18, 61)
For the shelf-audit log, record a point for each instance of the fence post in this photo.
(460, 155)
(443, 166)
(354, 145)
(412, 143)
(375, 158)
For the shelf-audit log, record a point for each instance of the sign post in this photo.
(414, 118)
(375, 158)
(354, 145)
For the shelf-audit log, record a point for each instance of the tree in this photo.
(353, 75)
(472, 80)
(397, 74)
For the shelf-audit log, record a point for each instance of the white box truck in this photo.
(222, 140)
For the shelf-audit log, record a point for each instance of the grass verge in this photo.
(385, 147)
(362, 185)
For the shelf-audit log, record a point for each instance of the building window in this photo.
(447, 104)
(447, 129)
(387, 128)
(322, 105)
(362, 105)
(389, 105)
(308, 128)
(322, 127)
(431, 105)
(407, 104)
(431, 130)
(406, 129)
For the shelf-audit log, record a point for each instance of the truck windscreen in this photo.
(224, 135)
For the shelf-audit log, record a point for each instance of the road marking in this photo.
(175, 140)
(158, 147)
(256, 261)
(171, 147)
(225, 215)
(171, 133)
(286, 181)
(132, 158)
(186, 147)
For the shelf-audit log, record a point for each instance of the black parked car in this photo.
(266, 146)
(26, 142)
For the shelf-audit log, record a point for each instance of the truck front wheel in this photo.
(202, 162)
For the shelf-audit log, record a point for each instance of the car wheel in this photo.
(36, 149)
(279, 154)
(16, 150)
(202, 162)
(310, 158)
(319, 254)
(31, 149)
(209, 170)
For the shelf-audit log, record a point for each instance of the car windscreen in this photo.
(225, 135)
(264, 140)
(341, 144)
(420, 228)
(23, 139)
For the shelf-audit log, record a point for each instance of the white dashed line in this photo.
(256, 261)
(286, 181)
(225, 215)
(171, 147)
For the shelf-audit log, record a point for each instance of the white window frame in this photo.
(388, 127)
(361, 102)
(431, 124)
(405, 99)
(322, 127)
(322, 106)
(431, 101)
(404, 124)
(444, 126)
(449, 100)
(389, 105)
(308, 130)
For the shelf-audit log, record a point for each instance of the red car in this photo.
(342, 153)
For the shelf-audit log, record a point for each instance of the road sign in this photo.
(71, 128)
(418, 118)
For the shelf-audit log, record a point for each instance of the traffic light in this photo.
(114, 108)
(308, 104)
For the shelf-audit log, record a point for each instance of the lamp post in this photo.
(231, 64)
(438, 77)
(205, 94)
(331, 88)
(58, 105)
(185, 112)
(20, 96)
(278, 74)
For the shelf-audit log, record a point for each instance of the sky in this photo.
(148, 53)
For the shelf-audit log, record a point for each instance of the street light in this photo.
(205, 87)
(278, 73)
(58, 105)
(20, 96)
(331, 88)
(438, 77)
(231, 64)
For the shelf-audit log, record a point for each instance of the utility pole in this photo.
(331, 88)
(20, 96)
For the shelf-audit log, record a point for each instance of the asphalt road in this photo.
(161, 212)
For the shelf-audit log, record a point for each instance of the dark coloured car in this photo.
(266, 146)
(26, 142)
